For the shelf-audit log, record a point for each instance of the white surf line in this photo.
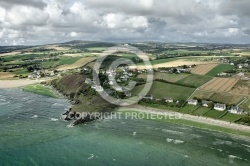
(198, 119)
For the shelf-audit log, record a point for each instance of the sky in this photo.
(31, 22)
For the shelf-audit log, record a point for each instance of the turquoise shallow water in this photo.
(29, 137)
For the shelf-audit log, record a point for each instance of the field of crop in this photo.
(77, 64)
(161, 90)
(201, 94)
(220, 84)
(194, 80)
(242, 87)
(203, 69)
(226, 98)
(166, 76)
(173, 62)
(62, 61)
(221, 97)
(219, 69)
(6, 75)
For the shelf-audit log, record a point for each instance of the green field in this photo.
(219, 69)
(162, 90)
(97, 48)
(214, 114)
(195, 80)
(62, 61)
(201, 111)
(41, 90)
(231, 117)
(23, 57)
(226, 98)
(188, 109)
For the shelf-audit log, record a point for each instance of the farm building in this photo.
(220, 107)
(88, 81)
(97, 88)
(241, 74)
(236, 110)
(169, 100)
(128, 94)
(205, 103)
(192, 102)
(150, 97)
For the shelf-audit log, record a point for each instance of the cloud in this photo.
(48, 21)
(33, 3)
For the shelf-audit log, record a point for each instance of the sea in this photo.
(32, 133)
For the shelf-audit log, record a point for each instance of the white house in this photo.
(118, 88)
(128, 94)
(88, 81)
(220, 107)
(169, 100)
(192, 102)
(111, 83)
(241, 74)
(236, 110)
(99, 88)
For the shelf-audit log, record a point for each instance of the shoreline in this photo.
(196, 119)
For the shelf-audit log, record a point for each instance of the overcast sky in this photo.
(50, 21)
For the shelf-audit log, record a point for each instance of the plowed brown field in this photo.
(203, 69)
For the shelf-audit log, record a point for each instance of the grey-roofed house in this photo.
(220, 107)
(192, 102)
(236, 110)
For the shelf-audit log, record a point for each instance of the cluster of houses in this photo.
(43, 73)
(217, 106)
(178, 70)
(204, 103)
(115, 88)
(243, 66)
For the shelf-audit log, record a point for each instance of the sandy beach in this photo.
(199, 119)
(4, 84)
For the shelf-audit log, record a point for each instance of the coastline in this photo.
(195, 121)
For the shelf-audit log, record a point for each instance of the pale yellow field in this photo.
(73, 55)
(6, 75)
(58, 48)
(220, 84)
(10, 53)
(203, 69)
(77, 64)
(175, 63)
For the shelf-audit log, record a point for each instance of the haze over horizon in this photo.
(33, 22)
